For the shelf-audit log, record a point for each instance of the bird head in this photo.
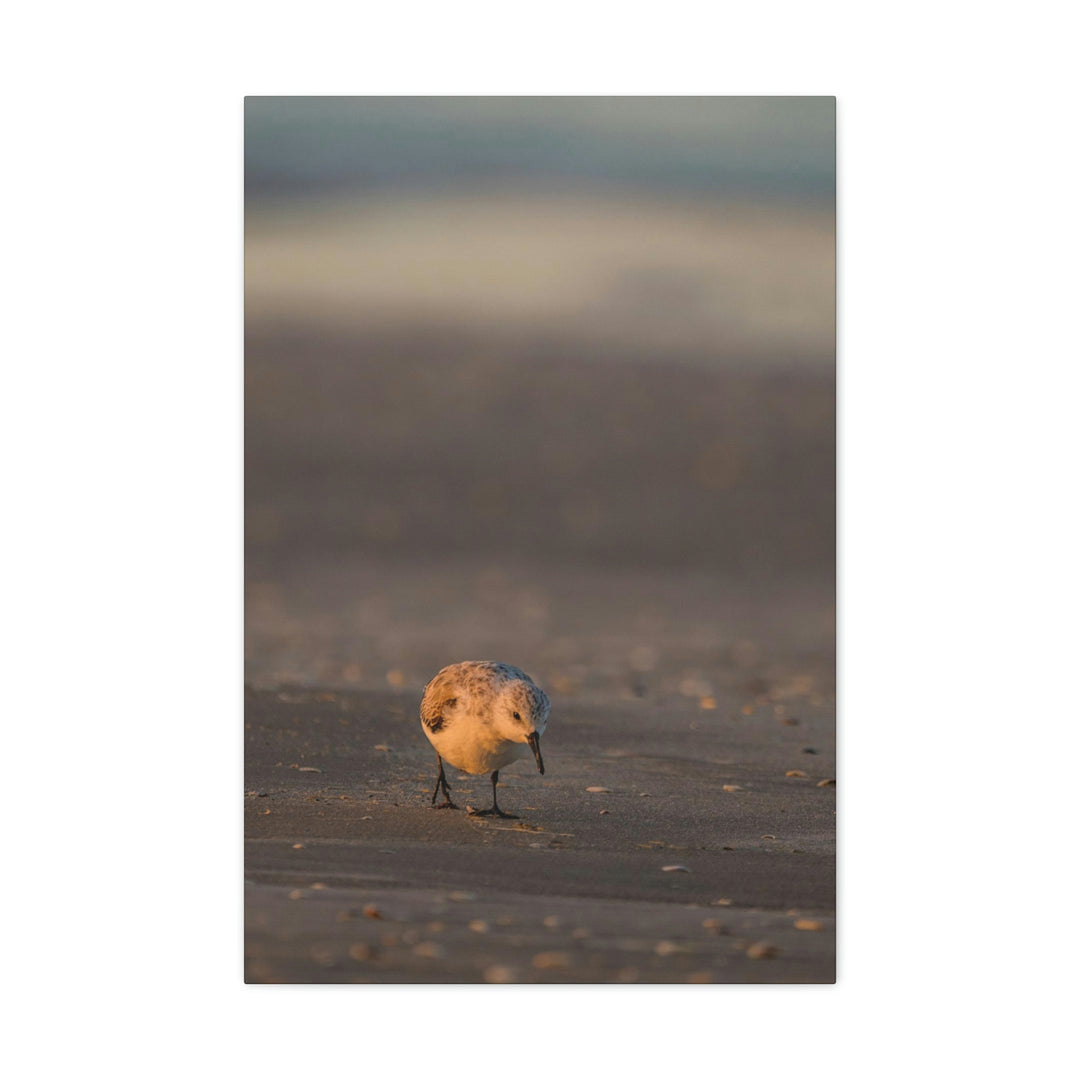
(522, 713)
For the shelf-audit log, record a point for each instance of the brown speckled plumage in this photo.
(480, 715)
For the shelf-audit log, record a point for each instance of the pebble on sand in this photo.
(599, 790)
(372, 912)
(668, 948)
(360, 952)
(830, 782)
(675, 869)
(478, 926)
(546, 961)
(808, 924)
(429, 950)
(797, 773)
(762, 950)
(499, 973)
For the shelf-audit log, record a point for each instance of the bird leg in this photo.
(441, 782)
(494, 811)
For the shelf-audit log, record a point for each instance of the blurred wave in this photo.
(734, 146)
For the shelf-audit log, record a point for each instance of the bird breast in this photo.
(475, 748)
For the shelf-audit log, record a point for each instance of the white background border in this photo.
(122, 445)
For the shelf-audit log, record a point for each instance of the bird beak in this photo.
(534, 745)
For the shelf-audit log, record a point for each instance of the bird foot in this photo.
(448, 805)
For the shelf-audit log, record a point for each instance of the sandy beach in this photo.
(654, 546)
(351, 877)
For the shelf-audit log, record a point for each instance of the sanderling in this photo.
(480, 715)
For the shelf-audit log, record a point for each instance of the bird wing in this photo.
(436, 705)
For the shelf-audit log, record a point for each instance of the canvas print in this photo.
(540, 551)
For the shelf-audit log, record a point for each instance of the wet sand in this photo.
(351, 877)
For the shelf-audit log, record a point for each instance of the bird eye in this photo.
(517, 716)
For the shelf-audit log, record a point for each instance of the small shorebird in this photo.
(480, 715)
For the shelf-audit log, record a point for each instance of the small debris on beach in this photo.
(830, 782)
(360, 952)
(808, 750)
(478, 926)
(372, 912)
(429, 950)
(395, 677)
(668, 948)
(599, 790)
(459, 897)
(552, 922)
(296, 894)
(675, 869)
(809, 924)
(602, 812)
(699, 977)
(732, 787)
(768, 836)
(546, 961)
(798, 773)
(723, 902)
(499, 973)
(713, 924)
(297, 847)
(309, 768)
(707, 703)
(762, 950)
(386, 749)
(323, 957)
